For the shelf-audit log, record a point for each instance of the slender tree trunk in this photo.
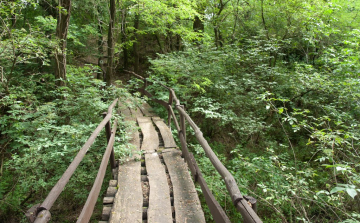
(218, 37)
(100, 38)
(123, 41)
(263, 19)
(110, 69)
(159, 43)
(125, 54)
(61, 35)
(178, 42)
(170, 40)
(198, 25)
(135, 46)
(100, 41)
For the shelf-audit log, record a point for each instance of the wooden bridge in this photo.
(154, 184)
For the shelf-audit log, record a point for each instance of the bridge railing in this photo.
(41, 213)
(246, 205)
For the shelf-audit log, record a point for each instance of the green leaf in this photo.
(336, 189)
(351, 192)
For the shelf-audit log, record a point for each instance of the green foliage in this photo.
(43, 136)
(293, 120)
(272, 84)
(164, 17)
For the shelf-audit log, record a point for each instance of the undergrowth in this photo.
(42, 129)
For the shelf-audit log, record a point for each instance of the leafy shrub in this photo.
(42, 133)
(287, 131)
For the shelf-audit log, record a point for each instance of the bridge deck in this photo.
(154, 184)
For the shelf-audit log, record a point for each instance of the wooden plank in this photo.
(108, 200)
(159, 210)
(128, 201)
(136, 112)
(186, 201)
(135, 141)
(105, 213)
(147, 110)
(166, 134)
(150, 137)
(123, 107)
(132, 128)
(112, 183)
(126, 113)
(111, 191)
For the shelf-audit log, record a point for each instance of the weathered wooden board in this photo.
(135, 142)
(128, 200)
(123, 107)
(105, 213)
(132, 127)
(166, 134)
(136, 112)
(126, 113)
(108, 200)
(159, 210)
(147, 110)
(150, 137)
(186, 201)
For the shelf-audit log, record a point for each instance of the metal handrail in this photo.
(239, 201)
(41, 213)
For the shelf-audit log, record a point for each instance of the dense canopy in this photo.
(274, 86)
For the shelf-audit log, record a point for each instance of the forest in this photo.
(274, 86)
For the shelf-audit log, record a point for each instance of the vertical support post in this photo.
(145, 83)
(108, 135)
(182, 123)
(169, 113)
(252, 202)
(2, 74)
(43, 217)
(142, 90)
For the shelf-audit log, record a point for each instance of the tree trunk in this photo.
(61, 35)
(100, 38)
(198, 25)
(217, 32)
(135, 46)
(178, 42)
(125, 58)
(100, 41)
(110, 70)
(218, 37)
(159, 43)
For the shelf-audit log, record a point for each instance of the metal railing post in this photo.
(108, 135)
